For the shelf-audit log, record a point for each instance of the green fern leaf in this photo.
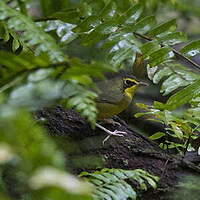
(111, 183)
(168, 26)
(142, 26)
(32, 34)
(183, 96)
(131, 15)
(191, 49)
(149, 47)
(172, 38)
(159, 56)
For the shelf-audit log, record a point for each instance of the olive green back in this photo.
(111, 90)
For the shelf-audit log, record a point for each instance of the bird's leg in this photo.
(111, 121)
(110, 133)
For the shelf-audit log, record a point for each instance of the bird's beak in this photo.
(143, 84)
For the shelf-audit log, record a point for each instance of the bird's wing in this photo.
(110, 91)
(100, 100)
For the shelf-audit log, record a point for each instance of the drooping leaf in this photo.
(68, 16)
(131, 15)
(191, 49)
(160, 56)
(87, 24)
(142, 26)
(111, 183)
(183, 96)
(172, 83)
(162, 28)
(157, 135)
(109, 11)
(149, 47)
(32, 34)
(160, 74)
(172, 38)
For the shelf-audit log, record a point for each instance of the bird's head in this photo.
(130, 84)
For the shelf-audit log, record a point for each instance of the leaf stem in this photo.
(43, 19)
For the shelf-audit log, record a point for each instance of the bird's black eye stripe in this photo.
(129, 83)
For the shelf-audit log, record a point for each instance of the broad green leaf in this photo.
(93, 37)
(159, 56)
(69, 16)
(52, 6)
(22, 61)
(96, 6)
(86, 9)
(100, 32)
(191, 49)
(120, 55)
(108, 11)
(157, 136)
(7, 34)
(143, 26)
(114, 185)
(114, 39)
(131, 15)
(183, 96)
(172, 38)
(172, 83)
(164, 27)
(194, 114)
(123, 6)
(4, 33)
(176, 130)
(158, 105)
(149, 47)
(87, 24)
(79, 68)
(31, 34)
(163, 72)
(62, 29)
(107, 27)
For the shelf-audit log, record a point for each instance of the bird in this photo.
(112, 101)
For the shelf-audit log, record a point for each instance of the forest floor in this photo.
(86, 152)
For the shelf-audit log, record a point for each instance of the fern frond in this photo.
(9, 37)
(31, 34)
(173, 77)
(111, 183)
(118, 33)
(82, 99)
(62, 29)
(14, 66)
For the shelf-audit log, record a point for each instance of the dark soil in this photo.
(86, 152)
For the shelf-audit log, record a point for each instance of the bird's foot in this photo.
(114, 133)
(110, 133)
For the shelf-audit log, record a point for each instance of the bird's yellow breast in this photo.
(107, 109)
(130, 91)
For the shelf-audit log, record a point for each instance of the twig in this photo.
(165, 167)
(45, 19)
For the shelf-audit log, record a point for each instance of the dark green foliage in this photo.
(8, 36)
(33, 165)
(111, 183)
(35, 71)
(32, 35)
